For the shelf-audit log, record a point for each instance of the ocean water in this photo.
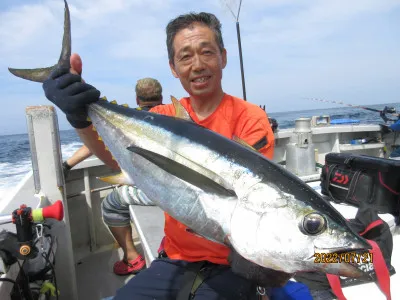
(286, 119)
(15, 159)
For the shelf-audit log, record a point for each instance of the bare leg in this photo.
(123, 235)
(115, 210)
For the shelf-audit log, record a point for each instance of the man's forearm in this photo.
(80, 155)
(91, 140)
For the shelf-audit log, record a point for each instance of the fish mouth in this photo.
(354, 244)
(341, 250)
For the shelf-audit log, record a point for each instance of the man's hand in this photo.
(66, 89)
(261, 276)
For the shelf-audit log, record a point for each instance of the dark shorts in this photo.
(163, 280)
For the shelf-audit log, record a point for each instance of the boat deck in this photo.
(95, 277)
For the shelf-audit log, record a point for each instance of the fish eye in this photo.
(314, 223)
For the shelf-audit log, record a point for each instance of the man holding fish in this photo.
(197, 57)
(233, 218)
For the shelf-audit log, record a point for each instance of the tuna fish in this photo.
(221, 189)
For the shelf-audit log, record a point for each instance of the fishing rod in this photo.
(236, 17)
(382, 113)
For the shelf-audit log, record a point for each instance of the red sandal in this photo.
(134, 266)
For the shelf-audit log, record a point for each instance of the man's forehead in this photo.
(188, 45)
(204, 40)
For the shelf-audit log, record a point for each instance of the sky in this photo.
(292, 50)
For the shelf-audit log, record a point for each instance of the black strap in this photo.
(352, 186)
(192, 279)
(261, 143)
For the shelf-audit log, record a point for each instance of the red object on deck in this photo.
(55, 211)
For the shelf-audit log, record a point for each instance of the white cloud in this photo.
(308, 21)
(147, 44)
(20, 25)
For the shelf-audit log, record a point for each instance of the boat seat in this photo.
(149, 223)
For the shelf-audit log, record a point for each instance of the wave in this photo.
(15, 165)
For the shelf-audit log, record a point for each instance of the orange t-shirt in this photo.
(233, 116)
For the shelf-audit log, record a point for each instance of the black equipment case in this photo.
(352, 179)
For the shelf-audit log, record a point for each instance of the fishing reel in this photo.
(27, 221)
(388, 110)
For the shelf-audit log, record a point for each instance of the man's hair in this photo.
(186, 21)
(148, 90)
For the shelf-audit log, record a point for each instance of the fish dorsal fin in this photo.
(116, 179)
(183, 172)
(243, 143)
(180, 111)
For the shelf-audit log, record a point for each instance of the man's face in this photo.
(198, 61)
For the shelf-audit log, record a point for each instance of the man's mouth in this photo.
(201, 79)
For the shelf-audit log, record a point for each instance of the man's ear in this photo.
(137, 100)
(172, 67)
(224, 58)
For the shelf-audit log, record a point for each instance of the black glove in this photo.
(261, 276)
(71, 95)
(66, 168)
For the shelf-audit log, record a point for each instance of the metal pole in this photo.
(241, 60)
(92, 190)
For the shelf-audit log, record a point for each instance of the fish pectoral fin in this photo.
(243, 143)
(116, 179)
(36, 75)
(183, 172)
(180, 111)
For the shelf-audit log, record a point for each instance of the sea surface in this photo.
(15, 159)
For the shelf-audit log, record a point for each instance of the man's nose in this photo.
(197, 63)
